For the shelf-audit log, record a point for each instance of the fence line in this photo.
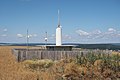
(24, 54)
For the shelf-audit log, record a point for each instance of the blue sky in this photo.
(82, 21)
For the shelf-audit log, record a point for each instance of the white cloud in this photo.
(82, 33)
(111, 30)
(66, 37)
(20, 35)
(96, 32)
(53, 36)
(29, 36)
(4, 35)
(96, 35)
(4, 30)
(34, 35)
(112, 33)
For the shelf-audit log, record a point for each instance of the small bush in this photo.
(38, 64)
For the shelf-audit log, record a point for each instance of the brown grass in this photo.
(10, 69)
(59, 70)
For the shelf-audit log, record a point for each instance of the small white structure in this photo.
(58, 36)
(58, 33)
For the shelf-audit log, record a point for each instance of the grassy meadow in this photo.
(90, 67)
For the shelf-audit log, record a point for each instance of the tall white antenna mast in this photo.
(58, 32)
(58, 18)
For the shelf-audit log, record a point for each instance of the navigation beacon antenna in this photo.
(58, 18)
(46, 39)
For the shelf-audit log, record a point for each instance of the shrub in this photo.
(38, 64)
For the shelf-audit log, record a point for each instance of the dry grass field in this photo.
(10, 69)
(92, 67)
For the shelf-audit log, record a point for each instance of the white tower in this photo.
(58, 33)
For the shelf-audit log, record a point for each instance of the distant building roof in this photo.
(58, 46)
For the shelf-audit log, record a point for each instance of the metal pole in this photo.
(27, 39)
(46, 38)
